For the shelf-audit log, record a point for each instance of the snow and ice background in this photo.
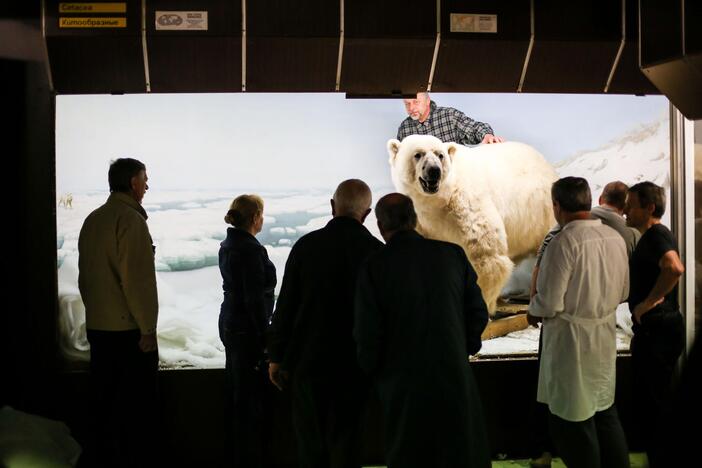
(202, 150)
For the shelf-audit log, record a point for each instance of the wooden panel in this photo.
(388, 46)
(292, 46)
(291, 64)
(302, 18)
(196, 61)
(479, 66)
(97, 65)
(569, 67)
(575, 46)
(205, 64)
(483, 62)
(628, 77)
(556, 20)
(384, 66)
(681, 81)
(390, 18)
(96, 60)
(661, 31)
(665, 59)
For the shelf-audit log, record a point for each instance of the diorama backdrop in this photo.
(202, 150)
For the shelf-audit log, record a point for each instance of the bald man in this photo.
(311, 345)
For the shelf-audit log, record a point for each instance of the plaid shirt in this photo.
(447, 124)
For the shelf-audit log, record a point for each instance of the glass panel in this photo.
(293, 149)
(698, 225)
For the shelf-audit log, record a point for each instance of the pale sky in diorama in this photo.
(297, 141)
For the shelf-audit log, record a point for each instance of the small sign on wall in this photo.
(181, 20)
(462, 22)
(118, 7)
(75, 22)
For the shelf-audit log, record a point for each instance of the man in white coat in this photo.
(582, 279)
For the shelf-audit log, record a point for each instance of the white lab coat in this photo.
(583, 276)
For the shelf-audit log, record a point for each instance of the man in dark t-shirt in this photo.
(659, 332)
(645, 270)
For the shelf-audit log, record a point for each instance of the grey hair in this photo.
(572, 193)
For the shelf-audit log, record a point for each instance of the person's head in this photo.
(395, 212)
(614, 195)
(645, 205)
(571, 199)
(246, 212)
(127, 175)
(419, 107)
(352, 198)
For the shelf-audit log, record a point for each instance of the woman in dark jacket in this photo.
(248, 281)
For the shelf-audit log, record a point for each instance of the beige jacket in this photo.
(117, 277)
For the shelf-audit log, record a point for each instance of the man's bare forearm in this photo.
(664, 284)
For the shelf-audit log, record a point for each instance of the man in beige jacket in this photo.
(117, 282)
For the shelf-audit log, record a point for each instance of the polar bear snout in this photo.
(430, 178)
(432, 173)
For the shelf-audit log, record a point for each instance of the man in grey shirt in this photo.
(611, 212)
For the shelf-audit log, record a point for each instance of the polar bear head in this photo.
(421, 164)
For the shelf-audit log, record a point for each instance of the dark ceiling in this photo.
(388, 48)
(385, 48)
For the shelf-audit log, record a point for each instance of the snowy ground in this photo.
(187, 228)
(525, 342)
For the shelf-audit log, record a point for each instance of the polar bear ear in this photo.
(451, 149)
(393, 148)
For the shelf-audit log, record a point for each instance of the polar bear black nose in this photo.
(433, 173)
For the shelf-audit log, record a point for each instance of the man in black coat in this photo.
(419, 315)
(311, 345)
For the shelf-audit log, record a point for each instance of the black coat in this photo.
(248, 281)
(419, 314)
(311, 331)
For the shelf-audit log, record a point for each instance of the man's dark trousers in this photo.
(655, 349)
(327, 414)
(248, 400)
(125, 398)
(598, 441)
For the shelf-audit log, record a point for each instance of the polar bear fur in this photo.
(492, 200)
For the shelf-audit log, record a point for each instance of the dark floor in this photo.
(638, 460)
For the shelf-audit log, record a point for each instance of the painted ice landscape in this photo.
(200, 152)
(187, 228)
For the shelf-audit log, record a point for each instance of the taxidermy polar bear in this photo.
(492, 200)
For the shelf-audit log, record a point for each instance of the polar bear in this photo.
(66, 200)
(492, 200)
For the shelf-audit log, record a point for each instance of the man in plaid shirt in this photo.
(445, 123)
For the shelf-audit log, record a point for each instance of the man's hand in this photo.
(492, 139)
(278, 376)
(148, 343)
(533, 320)
(671, 270)
(643, 307)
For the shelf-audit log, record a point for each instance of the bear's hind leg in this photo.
(493, 272)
